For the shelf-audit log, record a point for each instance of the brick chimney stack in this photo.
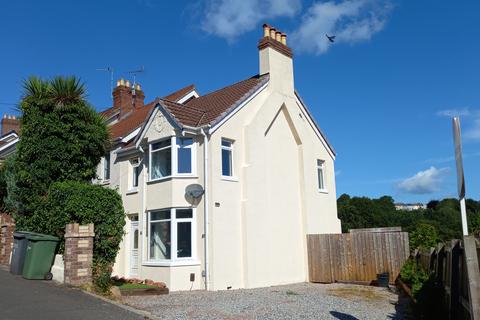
(127, 98)
(10, 123)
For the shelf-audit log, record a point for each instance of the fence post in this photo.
(78, 254)
(7, 227)
(473, 276)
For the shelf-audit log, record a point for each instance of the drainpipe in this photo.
(144, 201)
(205, 203)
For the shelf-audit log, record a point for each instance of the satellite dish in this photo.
(193, 193)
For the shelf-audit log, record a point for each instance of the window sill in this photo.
(104, 182)
(229, 178)
(132, 191)
(322, 191)
(189, 262)
(171, 177)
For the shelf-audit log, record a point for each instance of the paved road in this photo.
(22, 299)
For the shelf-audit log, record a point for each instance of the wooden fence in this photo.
(357, 256)
(455, 267)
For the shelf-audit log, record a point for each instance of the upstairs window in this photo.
(227, 158)
(184, 155)
(160, 159)
(321, 175)
(106, 167)
(135, 172)
(172, 157)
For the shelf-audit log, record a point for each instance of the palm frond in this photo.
(35, 88)
(66, 90)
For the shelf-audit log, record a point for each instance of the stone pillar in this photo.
(7, 227)
(78, 254)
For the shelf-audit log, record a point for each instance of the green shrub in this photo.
(80, 202)
(414, 276)
(424, 236)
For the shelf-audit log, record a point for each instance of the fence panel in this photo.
(356, 256)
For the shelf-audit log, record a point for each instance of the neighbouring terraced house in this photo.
(263, 171)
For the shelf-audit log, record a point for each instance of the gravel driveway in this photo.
(297, 301)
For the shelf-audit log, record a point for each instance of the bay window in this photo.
(171, 234)
(174, 156)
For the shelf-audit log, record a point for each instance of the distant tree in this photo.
(424, 236)
(432, 204)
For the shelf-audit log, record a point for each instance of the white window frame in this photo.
(132, 167)
(192, 158)
(174, 260)
(104, 165)
(231, 150)
(174, 158)
(320, 166)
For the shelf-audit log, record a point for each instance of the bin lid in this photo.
(41, 237)
(22, 234)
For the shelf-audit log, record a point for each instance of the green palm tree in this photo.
(60, 90)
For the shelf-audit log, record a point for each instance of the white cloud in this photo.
(230, 18)
(464, 112)
(473, 132)
(350, 21)
(424, 182)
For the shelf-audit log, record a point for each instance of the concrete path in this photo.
(22, 299)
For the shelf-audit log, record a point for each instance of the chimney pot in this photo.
(4, 116)
(118, 83)
(272, 33)
(122, 82)
(278, 36)
(137, 87)
(127, 83)
(266, 30)
(284, 38)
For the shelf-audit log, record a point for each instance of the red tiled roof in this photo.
(177, 95)
(107, 113)
(218, 103)
(126, 125)
(183, 114)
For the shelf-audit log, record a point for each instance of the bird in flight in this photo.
(330, 38)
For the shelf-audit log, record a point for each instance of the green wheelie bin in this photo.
(41, 249)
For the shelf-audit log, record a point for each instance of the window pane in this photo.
(320, 179)
(226, 143)
(161, 164)
(136, 175)
(135, 239)
(184, 239)
(161, 144)
(184, 155)
(160, 215)
(106, 167)
(226, 162)
(160, 244)
(184, 213)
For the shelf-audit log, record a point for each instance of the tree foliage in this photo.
(439, 222)
(62, 138)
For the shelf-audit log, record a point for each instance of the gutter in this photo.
(204, 131)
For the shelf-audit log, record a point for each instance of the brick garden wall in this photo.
(78, 254)
(7, 227)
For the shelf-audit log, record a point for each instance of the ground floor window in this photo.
(171, 234)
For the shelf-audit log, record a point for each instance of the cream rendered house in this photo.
(265, 166)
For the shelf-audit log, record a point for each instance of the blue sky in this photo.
(383, 92)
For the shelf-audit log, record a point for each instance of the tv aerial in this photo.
(135, 73)
(111, 71)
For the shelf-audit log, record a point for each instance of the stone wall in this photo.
(78, 254)
(7, 227)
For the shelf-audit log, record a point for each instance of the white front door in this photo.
(134, 246)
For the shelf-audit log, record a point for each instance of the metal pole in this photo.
(460, 175)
